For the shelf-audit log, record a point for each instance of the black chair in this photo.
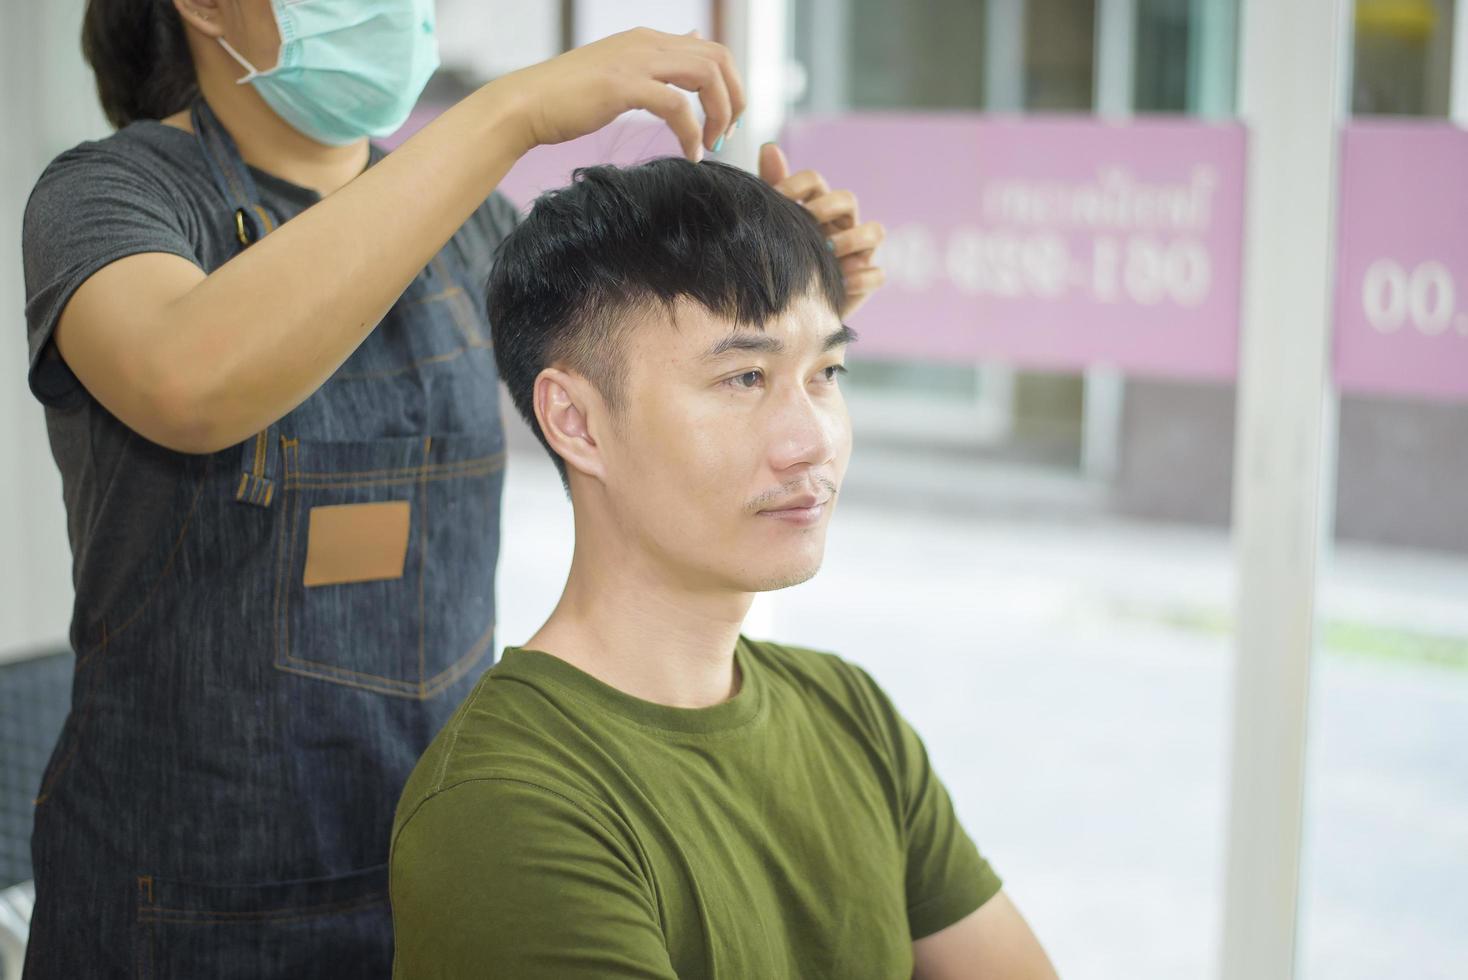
(35, 692)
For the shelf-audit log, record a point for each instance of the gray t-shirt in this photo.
(146, 188)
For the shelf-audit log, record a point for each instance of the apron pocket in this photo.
(385, 557)
(323, 927)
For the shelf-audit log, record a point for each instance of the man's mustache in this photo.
(819, 484)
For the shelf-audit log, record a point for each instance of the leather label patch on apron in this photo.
(357, 542)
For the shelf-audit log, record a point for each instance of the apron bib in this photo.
(221, 798)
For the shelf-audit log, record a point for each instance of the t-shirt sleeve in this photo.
(91, 207)
(946, 877)
(503, 878)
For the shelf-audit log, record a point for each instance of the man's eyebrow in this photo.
(840, 338)
(760, 342)
(765, 344)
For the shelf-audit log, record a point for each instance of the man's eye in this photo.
(749, 379)
(831, 373)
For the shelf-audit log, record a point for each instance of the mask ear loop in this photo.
(251, 72)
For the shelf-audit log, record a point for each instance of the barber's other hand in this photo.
(582, 90)
(837, 212)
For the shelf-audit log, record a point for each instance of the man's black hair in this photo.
(622, 241)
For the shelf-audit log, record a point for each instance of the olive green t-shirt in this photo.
(558, 828)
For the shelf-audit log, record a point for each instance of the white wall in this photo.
(47, 105)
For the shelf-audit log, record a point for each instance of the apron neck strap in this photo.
(230, 173)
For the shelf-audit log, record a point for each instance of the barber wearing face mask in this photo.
(269, 388)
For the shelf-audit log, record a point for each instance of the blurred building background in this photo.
(1037, 564)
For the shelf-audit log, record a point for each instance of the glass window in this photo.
(1060, 63)
(1402, 61)
(1163, 56)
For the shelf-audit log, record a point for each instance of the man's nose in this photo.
(807, 432)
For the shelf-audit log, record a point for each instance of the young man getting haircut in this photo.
(640, 791)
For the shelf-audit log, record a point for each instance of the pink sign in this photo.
(1049, 242)
(1403, 243)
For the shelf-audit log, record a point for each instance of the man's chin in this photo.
(783, 578)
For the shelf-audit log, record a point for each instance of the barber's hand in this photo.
(836, 211)
(582, 90)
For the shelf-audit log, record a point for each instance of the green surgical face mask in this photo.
(348, 69)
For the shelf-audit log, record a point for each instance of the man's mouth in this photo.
(805, 509)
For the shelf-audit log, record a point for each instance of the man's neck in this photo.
(631, 626)
(266, 141)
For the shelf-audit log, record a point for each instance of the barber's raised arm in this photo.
(198, 363)
(502, 878)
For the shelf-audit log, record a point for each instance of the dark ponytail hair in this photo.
(140, 55)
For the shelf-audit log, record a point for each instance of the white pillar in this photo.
(1458, 91)
(1115, 60)
(830, 64)
(1004, 56)
(1004, 91)
(1213, 28)
(758, 32)
(1291, 97)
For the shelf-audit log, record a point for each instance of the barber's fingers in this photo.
(836, 208)
(671, 105)
(773, 167)
(865, 281)
(696, 71)
(729, 73)
(864, 237)
(803, 186)
(859, 288)
(852, 264)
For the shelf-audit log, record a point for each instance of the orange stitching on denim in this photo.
(260, 454)
(281, 553)
(437, 297)
(291, 567)
(329, 673)
(269, 225)
(424, 687)
(394, 481)
(240, 493)
(269, 494)
(389, 372)
(234, 184)
(468, 325)
(484, 469)
(458, 303)
(385, 685)
(400, 481)
(85, 708)
(334, 474)
(423, 558)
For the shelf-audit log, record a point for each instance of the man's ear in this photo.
(202, 15)
(565, 406)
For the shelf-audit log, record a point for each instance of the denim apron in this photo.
(220, 800)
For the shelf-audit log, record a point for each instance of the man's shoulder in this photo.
(499, 734)
(825, 678)
(817, 665)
